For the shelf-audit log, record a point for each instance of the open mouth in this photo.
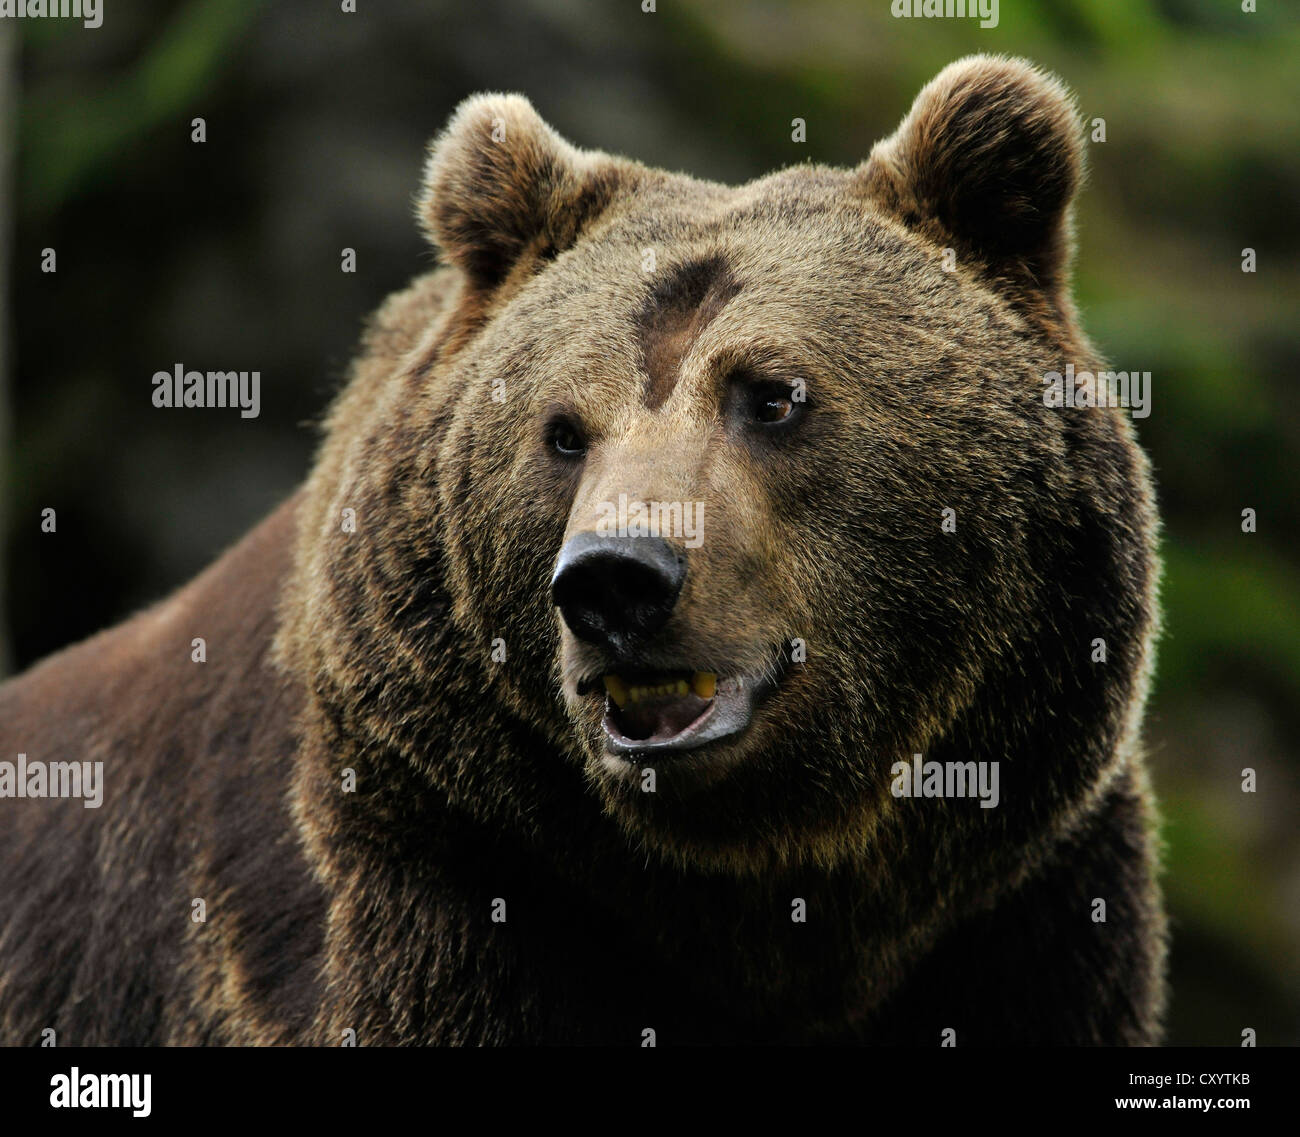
(648, 712)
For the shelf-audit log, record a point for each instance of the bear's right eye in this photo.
(566, 439)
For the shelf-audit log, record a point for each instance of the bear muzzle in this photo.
(616, 594)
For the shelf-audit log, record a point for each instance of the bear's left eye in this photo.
(772, 404)
(774, 409)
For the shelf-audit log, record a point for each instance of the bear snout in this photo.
(616, 592)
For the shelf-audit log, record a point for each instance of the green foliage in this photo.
(74, 128)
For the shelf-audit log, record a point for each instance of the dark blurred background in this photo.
(226, 255)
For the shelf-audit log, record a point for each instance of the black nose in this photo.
(614, 591)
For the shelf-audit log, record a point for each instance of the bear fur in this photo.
(496, 875)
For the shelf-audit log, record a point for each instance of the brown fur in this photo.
(479, 780)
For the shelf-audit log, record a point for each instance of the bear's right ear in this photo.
(988, 160)
(501, 186)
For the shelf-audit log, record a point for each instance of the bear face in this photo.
(834, 380)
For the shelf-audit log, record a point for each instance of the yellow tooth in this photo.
(637, 694)
(704, 684)
(681, 687)
(617, 690)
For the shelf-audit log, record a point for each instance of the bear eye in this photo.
(774, 409)
(566, 439)
(773, 404)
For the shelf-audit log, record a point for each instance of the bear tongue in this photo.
(659, 718)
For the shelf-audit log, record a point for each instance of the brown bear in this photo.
(699, 627)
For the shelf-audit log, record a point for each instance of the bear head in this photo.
(698, 508)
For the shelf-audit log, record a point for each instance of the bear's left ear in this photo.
(501, 186)
(988, 161)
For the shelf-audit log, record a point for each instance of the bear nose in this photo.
(614, 591)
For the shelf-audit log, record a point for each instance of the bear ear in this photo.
(988, 159)
(501, 186)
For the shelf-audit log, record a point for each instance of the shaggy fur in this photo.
(481, 779)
